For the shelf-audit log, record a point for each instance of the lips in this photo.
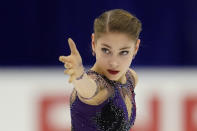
(113, 72)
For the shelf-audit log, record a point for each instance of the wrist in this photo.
(81, 76)
(80, 73)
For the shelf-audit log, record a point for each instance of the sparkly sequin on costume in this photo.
(110, 115)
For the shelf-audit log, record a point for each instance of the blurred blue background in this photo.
(35, 32)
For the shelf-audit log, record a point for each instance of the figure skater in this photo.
(103, 98)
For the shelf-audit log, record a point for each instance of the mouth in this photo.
(113, 72)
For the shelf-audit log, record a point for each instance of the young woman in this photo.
(103, 97)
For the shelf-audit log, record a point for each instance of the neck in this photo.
(123, 79)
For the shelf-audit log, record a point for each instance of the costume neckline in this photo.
(112, 81)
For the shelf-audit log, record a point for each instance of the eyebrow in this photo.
(120, 49)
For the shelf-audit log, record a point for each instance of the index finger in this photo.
(72, 46)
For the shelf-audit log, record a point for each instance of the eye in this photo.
(105, 50)
(124, 52)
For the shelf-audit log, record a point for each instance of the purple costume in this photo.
(110, 115)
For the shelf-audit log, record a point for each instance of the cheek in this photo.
(100, 58)
(126, 61)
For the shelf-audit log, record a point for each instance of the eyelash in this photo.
(126, 52)
(104, 50)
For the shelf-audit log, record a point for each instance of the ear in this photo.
(93, 42)
(137, 46)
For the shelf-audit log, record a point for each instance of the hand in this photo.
(73, 62)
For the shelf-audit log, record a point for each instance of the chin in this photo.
(114, 78)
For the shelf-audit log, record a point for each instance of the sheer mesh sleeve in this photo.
(100, 81)
(132, 79)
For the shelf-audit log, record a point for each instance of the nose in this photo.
(113, 63)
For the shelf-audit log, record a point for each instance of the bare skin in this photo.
(86, 87)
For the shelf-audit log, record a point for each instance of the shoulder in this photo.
(134, 75)
(103, 89)
(98, 78)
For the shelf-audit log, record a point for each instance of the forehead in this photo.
(115, 40)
